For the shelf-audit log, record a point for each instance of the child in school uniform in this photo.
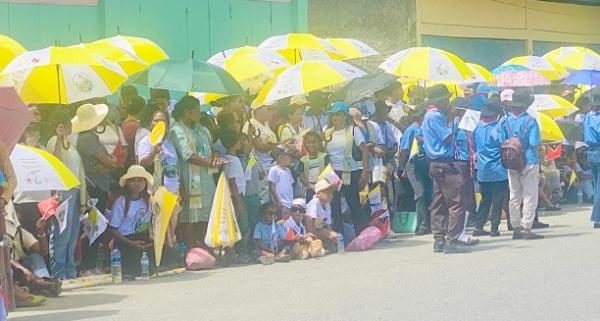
(281, 181)
(253, 174)
(312, 164)
(268, 237)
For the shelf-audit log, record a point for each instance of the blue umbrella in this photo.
(583, 77)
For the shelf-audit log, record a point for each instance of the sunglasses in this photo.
(300, 210)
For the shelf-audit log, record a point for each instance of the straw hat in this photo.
(88, 116)
(136, 171)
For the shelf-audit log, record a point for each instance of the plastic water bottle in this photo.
(145, 267)
(115, 265)
(340, 244)
(579, 196)
(182, 252)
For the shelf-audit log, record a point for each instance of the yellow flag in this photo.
(375, 195)
(329, 174)
(414, 149)
(572, 178)
(163, 204)
(251, 161)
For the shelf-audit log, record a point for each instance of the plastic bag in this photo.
(365, 240)
(199, 259)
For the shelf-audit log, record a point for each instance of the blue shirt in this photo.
(591, 129)
(409, 136)
(487, 144)
(530, 138)
(262, 232)
(461, 141)
(434, 131)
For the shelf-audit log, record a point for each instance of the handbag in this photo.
(48, 206)
(404, 222)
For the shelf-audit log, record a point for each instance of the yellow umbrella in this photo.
(245, 51)
(250, 70)
(130, 63)
(306, 77)
(559, 53)
(297, 47)
(480, 74)
(553, 106)
(546, 67)
(581, 60)
(145, 49)
(352, 48)
(451, 85)
(57, 75)
(549, 129)
(9, 50)
(424, 63)
(223, 230)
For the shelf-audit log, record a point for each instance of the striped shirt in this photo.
(88, 145)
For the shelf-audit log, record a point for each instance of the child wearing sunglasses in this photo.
(307, 244)
(269, 237)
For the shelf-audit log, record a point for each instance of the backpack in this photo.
(512, 154)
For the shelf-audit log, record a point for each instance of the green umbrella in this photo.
(191, 76)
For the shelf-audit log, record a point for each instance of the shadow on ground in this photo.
(66, 316)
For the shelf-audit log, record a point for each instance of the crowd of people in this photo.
(272, 156)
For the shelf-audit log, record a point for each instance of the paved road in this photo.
(556, 278)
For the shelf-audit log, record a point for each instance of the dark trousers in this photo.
(418, 175)
(89, 253)
(469, 187)
(131, 258)
(493, 195)
(448, 206)
(353, 199)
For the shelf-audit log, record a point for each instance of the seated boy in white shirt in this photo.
(318, 210)
(307, 245)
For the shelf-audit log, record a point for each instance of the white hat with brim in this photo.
(322, 185)
(88, 117)
(136, 171)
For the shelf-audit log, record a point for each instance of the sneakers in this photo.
(539, 225)
(494, 234)
(482, 232)
(392, 235)
(420, 232)
(532, 236)
(266, 260)
(438, 246)
(456, 247)
(283, 258)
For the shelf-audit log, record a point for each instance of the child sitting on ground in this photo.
(312, 164)
(569, 177)
(268, 236)
(308, 245)
(318, 219)
(281, 181)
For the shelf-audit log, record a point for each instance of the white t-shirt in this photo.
(336, 149)
(141, 133)
(137, 220)
(234, 170)
(291, 224)
(266, 135)
(109, 138)
(321, 215)
(283, 180)
(288, 131)
(72, 158)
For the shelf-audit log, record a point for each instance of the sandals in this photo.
(32, 301)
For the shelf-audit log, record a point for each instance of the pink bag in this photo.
(199, 259)
(365, 240)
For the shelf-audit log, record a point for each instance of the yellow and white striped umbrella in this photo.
(9, 50)
(580, 61)
(480, 74)
(143, 48)
(352, 48)
(306, 77)
(546, 67)
(297, 47)
(130, 63)
(559, 53)
(245, 51)
(37, 170)
(58, 75)
(250, 70)
(424, 63)
(553, 106)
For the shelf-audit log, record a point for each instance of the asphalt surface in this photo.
(557, 278)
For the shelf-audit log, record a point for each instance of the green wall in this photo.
(178, 26)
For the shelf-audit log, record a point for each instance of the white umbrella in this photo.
(37, 170)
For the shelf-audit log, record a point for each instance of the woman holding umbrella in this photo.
(197, 159)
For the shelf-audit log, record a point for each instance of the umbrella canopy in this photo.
(548, 128)
(583, 77)
(189, 75)
(352, 48)
(37, 170)
(553, 106)
(364, 86)
(130, 63)
(15, 117)
(245, 51)
(572, 130)
(163, 203)
(558, 53)
(9, 50)
(297, 47)
(250, 70)
(57, 75)
(223, 229)
(306, 77)
(480, 74)
(452, 87)
(145, 49)
(581, 60)
(548, 68)
(424, 63)
(518, 76)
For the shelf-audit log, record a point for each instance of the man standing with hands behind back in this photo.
(448, 203)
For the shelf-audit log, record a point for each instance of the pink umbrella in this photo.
(15, 117)
(528, 78)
